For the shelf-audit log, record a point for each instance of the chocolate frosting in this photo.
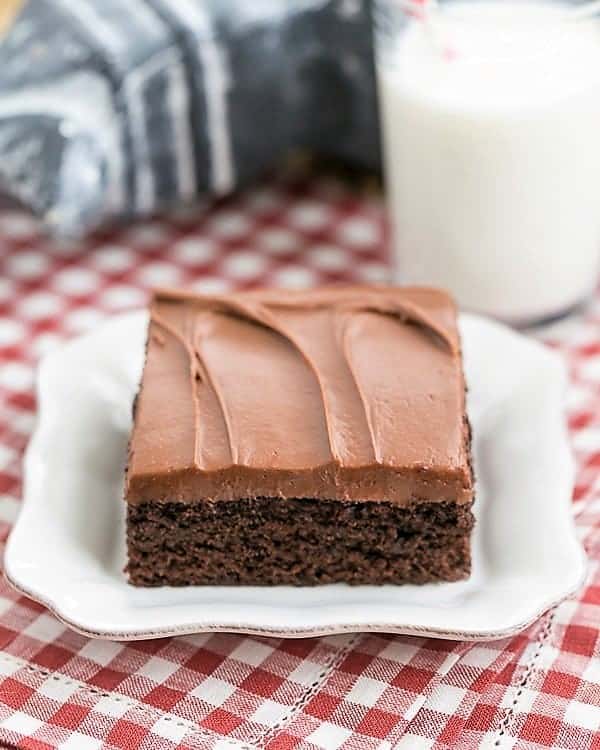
(342, 392)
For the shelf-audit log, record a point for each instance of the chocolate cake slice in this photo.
(300, 438)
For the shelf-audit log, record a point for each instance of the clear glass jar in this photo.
(491, 126)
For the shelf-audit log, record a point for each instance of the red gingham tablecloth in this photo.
(356, 692)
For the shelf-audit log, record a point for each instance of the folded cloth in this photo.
(112, 109)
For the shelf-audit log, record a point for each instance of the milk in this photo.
(492, 154)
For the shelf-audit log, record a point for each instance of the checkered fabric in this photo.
(59, 689)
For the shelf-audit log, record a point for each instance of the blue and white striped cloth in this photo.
(119, 108)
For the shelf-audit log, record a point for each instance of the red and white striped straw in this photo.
(428, 12)
(417, 8)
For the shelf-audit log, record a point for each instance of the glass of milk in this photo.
(491, 129)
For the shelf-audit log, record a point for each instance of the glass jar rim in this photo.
(515, 48)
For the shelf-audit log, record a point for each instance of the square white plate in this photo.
(68, 547)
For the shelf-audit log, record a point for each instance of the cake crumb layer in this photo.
(267, 541)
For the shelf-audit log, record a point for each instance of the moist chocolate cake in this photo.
(300, 438)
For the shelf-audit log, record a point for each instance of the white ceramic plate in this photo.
(68, 547)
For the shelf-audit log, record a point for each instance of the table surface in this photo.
(231, 692)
